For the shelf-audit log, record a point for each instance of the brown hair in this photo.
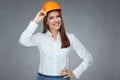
(64, 39)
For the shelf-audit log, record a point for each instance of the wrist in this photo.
(35, 21)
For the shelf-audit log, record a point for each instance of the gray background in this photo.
(95, 22)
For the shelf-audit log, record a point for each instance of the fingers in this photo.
(64, 72)
(42, 13)
(67, 73)
(66, 76)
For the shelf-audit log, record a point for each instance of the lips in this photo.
(56, 24)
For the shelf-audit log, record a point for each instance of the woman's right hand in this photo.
(40, 15)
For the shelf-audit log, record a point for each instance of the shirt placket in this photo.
(55, 56)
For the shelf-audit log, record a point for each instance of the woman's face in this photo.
(54, 20)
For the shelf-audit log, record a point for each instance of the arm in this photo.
(83, 54)
(27, 38)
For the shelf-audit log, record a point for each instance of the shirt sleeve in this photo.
(83, 53)
(27, 38)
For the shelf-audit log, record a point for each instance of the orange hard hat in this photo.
(51, 5)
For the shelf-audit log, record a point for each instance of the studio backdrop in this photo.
(96, 23)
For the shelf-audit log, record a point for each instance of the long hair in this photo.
(64, 39)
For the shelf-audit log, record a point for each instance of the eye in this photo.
(51, 17)
(58, 16)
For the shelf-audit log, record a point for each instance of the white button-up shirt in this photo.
(53, 58)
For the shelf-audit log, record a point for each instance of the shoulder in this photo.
(72, 38)
(70, 35)
(38, 35)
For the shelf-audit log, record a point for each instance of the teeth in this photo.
(56, 24)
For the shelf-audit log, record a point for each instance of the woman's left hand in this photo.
(67, 73)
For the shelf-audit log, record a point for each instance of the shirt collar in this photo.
(49, 34)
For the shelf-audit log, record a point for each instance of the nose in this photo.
(56, 19)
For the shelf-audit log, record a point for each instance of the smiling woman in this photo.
(54, 21)
(54, 45)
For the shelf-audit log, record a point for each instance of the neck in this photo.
(54, 34)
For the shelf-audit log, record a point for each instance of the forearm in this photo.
(85, 64)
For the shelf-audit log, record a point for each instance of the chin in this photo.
(57, 28)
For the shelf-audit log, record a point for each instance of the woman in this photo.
(54, 45)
